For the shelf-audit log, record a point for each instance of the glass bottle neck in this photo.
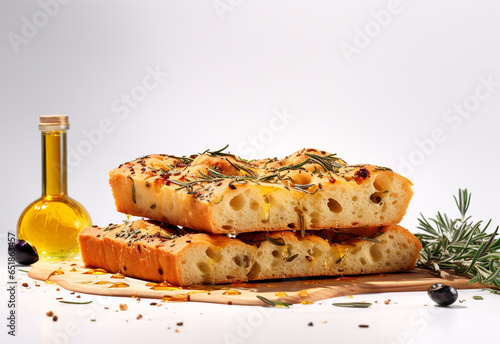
(54, 163)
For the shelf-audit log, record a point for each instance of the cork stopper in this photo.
(53, 122)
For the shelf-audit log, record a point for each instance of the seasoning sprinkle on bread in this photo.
(220, 193)
(160, 252)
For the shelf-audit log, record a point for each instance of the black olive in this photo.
(443, 295)
(26, 254)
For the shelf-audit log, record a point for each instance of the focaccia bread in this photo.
(217, 192)
(159, 252)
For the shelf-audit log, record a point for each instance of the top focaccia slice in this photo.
(218, 192)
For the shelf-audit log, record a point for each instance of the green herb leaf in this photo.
(182, 159)
(340, 259)
(273, 303)
(110, 227)
(370, 239)
(289, 259)
(265, 300)
(220, 152)
(353, 304)
(327, 162)
(381, 168)
(75, 302)
(493, 291)
(282, 304)
(133, 188)
(301, 224)
(477, 297)
(461, 245)
(241, 168)
(22, 270)
(277, 242)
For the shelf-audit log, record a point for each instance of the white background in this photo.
(231, 69)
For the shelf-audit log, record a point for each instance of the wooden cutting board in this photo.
(77, 278)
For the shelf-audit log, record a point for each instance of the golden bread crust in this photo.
(223, 194)
(158, 252)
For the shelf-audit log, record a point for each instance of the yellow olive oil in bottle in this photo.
(52, 222)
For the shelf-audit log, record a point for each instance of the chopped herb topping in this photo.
(340, 259)
(110, 227)
(381, 168)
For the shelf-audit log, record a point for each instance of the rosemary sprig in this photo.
(213, 175)
(187, 185)
(76, 302)
(165, 173)
(381, 168)
(220, 152)
(303, 187)
(241, 168)
(493, 291)
(183, 159)
(460, 245)
(340, 259)
(352, 304)
(292, 167)
(273, 303)
(328, 162)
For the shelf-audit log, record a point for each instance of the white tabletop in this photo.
(409, 317)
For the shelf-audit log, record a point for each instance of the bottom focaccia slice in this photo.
(160, 252)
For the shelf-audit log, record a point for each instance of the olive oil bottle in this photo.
(52, 222)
